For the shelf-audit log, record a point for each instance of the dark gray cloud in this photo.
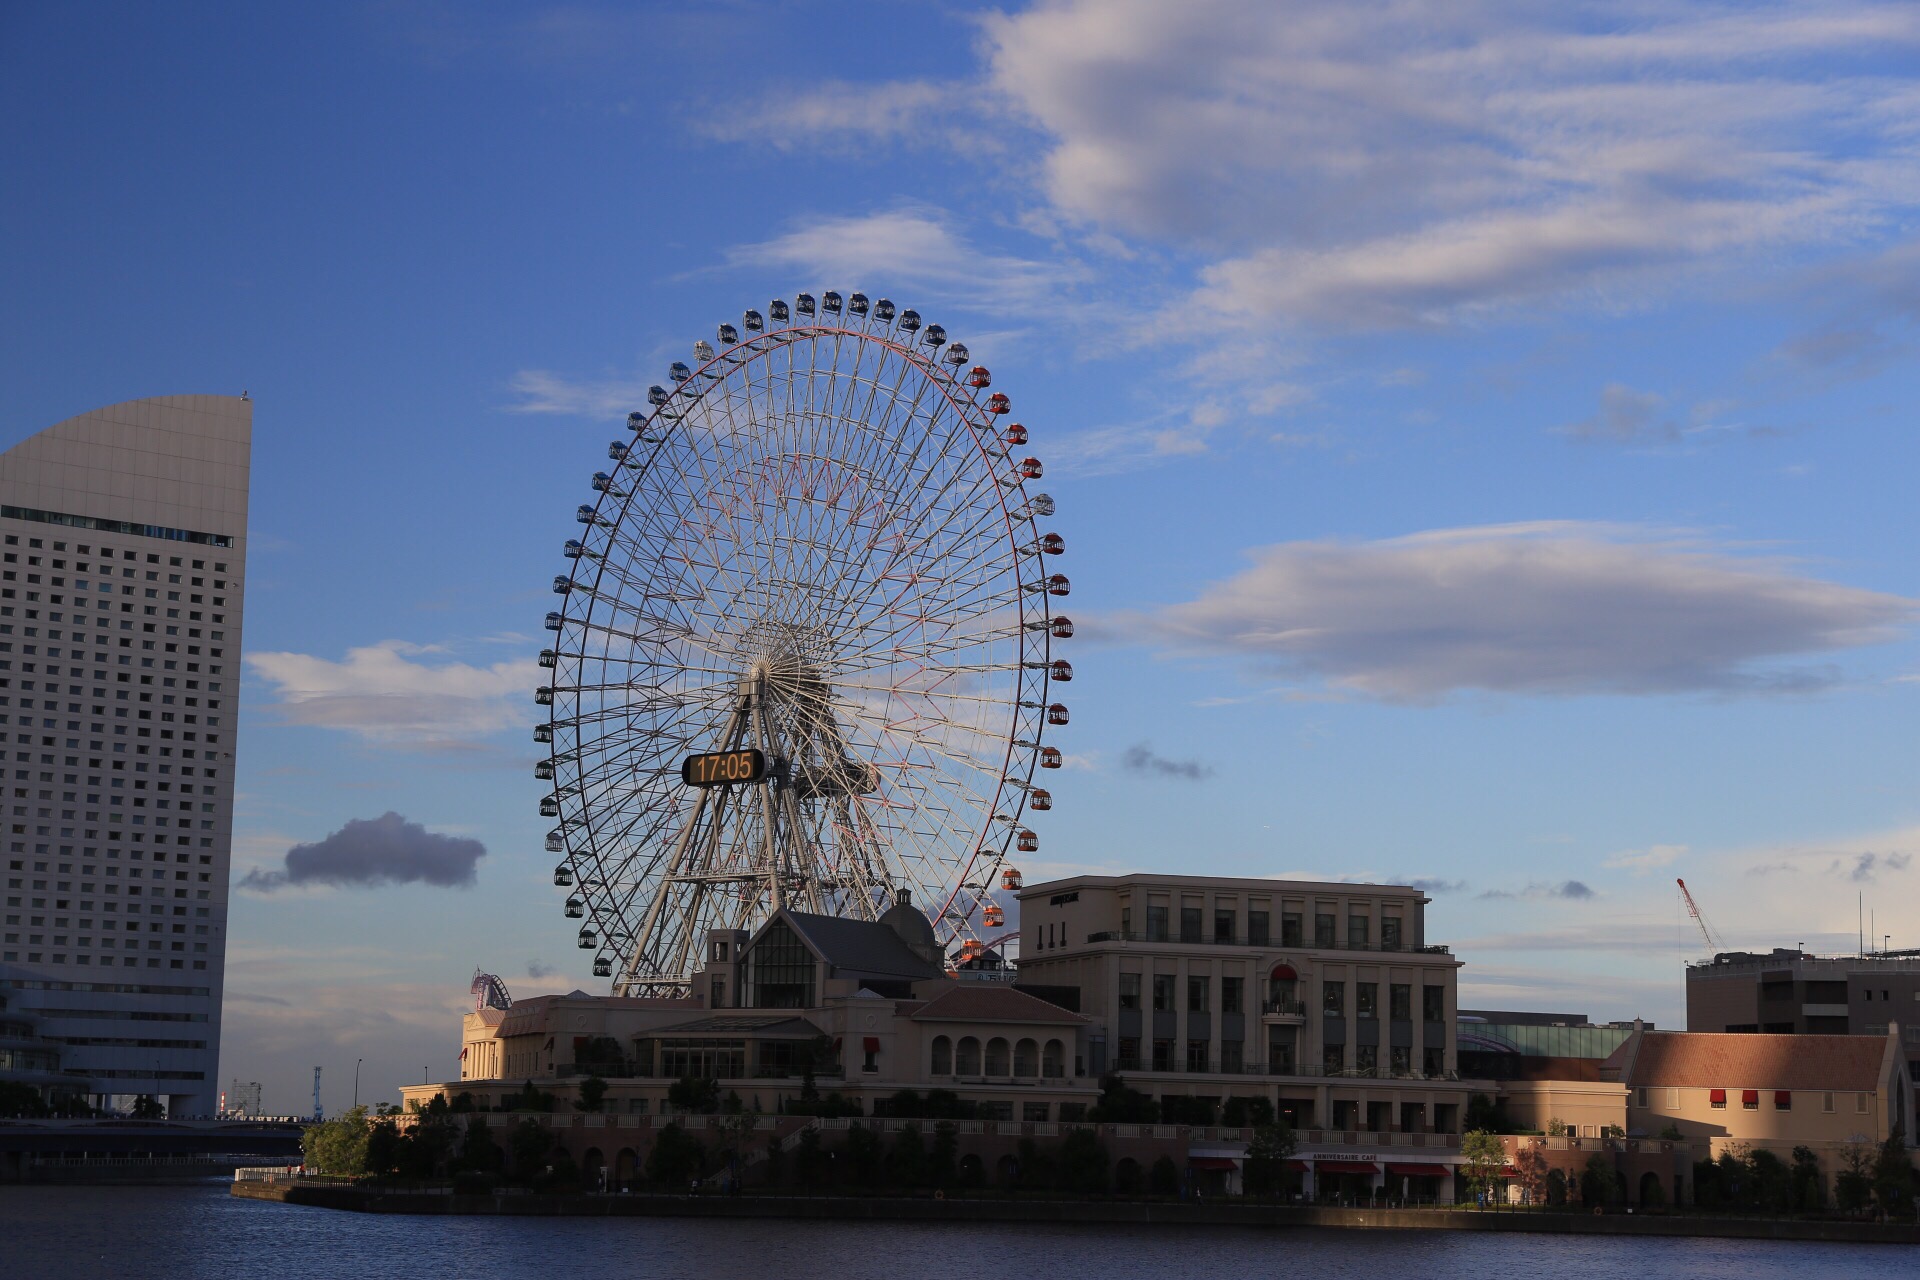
(1551, 608)
(1430, 885)
(1868, 865)
(1571, 890)
(1140, 758)
(376, 851)
(537, 969)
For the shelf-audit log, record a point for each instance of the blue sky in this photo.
(1483, 435)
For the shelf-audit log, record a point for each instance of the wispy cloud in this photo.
(1556, 608)
(394, 694)
(1641, 861)
(1568, 890)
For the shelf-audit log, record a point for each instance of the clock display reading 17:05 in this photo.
(719, 768)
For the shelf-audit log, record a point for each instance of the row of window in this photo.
(1750, 1099)
(1282, 995)
(130, 962)
(1282, 1059)
(1023, 1059)
(1226, 928)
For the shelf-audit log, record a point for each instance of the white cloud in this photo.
(382, 694)
(908, 246)
(543, 391)
(1385, 163)
(1549, 608)
(1641, 861)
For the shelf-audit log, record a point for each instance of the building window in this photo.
(1749, 1099)
(1129, 1053)
(1366, 1059)
(1640, 1098)
(1230, 1055)
(1033, 1112)
(1400, 1058)
(1026, 1059)
(780, 969)
(1433, 1004)
(1290, 929)
(1257, 930)
(1333, 1059)
(1196, 1055)
(1366, 999)
(1333, 999)
(999, 1057)
(1783, 1100)
(1357, 931)
(1400, 1002)
(1163, 1055)
(1390, 934)
(1190, 924)
(1230, 994)
(1717, 1099)
(1197, 988)
(966, 1061)
(1156, 924)
(1223, 926)
(1323, 929)
(1433, 1063)
(1826, 1102)
(1163, 991)
(942, 1064)
(1860, 1102)
(1129, 991)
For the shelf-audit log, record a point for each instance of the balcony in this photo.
(1267, 944)
(1285, 1013)
(1295, 1071)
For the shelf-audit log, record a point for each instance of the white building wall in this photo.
(124, 540)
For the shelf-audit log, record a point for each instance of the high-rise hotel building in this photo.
(125, 534)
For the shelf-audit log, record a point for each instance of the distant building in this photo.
(120, 604)
(1789, 992)
(242, 1098)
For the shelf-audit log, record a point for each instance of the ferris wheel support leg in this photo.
(770, 854)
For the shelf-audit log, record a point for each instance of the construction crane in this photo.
(1693, 909)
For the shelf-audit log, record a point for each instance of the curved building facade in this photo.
(124, 537)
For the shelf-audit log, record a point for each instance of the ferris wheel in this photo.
(804, 655)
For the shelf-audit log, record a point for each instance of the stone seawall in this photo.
(1110, 1212)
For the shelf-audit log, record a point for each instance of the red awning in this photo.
(1212, 1162)
(871, 1044)
(1508, 1171)
(1283, 973)
(1296, 1166)
(1783, 1099)
(1421, 1170)
(1345, 1166)
(1749, 1097)
(1718, 1097)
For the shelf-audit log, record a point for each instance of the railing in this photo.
(1115, 935)
(1297, 1070)
(1284, 1008)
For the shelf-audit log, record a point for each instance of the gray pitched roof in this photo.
(857, 947)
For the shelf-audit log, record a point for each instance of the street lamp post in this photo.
(356, 1080)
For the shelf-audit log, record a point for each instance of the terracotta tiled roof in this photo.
(1704, 1060)
(982, 1002)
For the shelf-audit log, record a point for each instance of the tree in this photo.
(1809, 1184)
(1163, 1179)
(811, 1168)
(147, 1107)
(479, 1153)
(1853, 1187)
(676, 1158)
(695, 1095)
(943, 1157)
(907, 1160)
(1770, 1182)
(1484, 1113)
(863, 1157)
(1247, 1113)
(1036, 1167)
(1530, 1162)
(1893, 1179)
(1181, 1109)
(1556, 1128)
(593, 1093)
(337, 1146)
(1556, 1187)
(1485, 1157)
(1265, 1171)
(1083, 1166)
(530, 1099)
(529, 1141)
(428, 1146)
(1599, 1184)
(383, 1147)
(1121, 1104)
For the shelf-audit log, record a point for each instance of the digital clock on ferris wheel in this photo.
(722, 768)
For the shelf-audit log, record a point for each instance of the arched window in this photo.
(968, 1061)
(997, 1057)
(1026, 1059)
(1053, 1061)
(1281, 987)
(942, 1056)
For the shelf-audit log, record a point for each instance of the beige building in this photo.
(125, 543)
(1326, 999)
(1773, 1091)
